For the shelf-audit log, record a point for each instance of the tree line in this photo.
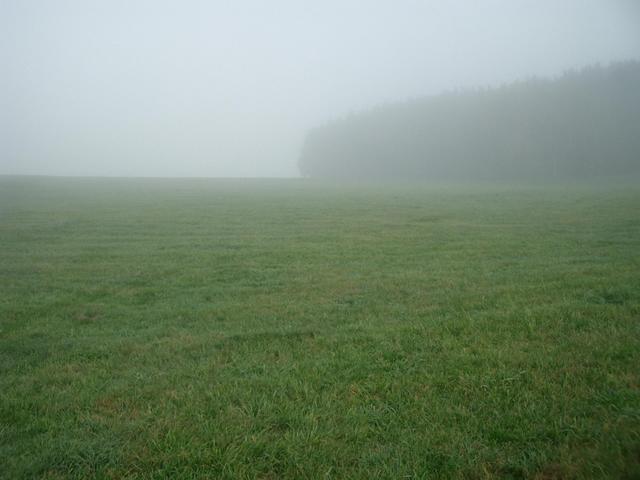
(582, 125)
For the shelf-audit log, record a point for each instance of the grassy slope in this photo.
(287, 329)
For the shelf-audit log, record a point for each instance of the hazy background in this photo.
(207, 88)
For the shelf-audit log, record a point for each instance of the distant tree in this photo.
(584, 124)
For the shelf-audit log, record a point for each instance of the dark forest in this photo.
(584, 124)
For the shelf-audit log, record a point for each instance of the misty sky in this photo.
(212, 88)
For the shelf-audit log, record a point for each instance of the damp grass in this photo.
(183, 328)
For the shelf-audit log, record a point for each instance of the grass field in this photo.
(291, 329)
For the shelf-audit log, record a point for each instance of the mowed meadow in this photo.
(276, 329)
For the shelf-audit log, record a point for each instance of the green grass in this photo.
(291, 329)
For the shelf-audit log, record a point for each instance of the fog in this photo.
(209, 88)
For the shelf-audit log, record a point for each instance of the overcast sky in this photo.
(212, 88)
